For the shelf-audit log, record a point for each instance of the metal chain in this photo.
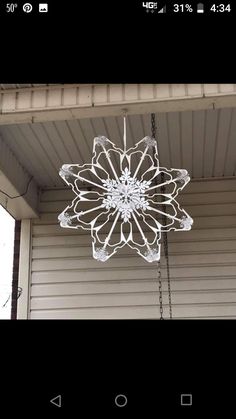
(154, 128)
(160, 290)
(166, 250)
(165, 240)
(153, 124)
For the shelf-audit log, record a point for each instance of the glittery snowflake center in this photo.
(127, 194)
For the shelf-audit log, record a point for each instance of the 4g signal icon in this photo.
(151, 6)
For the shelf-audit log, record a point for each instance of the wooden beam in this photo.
(18, 190)
(24, 270)
(65, 102)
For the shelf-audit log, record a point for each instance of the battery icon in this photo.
(200, 8)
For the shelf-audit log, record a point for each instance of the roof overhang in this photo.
(45, 103)
(66, 102)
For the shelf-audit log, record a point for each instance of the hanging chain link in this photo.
(153, 124)
(166, 250)
(165, 241)
(160, 290)
(154, 128)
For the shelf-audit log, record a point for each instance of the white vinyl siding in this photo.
(66, 282)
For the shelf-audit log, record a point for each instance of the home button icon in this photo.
(121, 400)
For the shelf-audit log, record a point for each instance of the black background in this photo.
(105, 42)
(90, 362)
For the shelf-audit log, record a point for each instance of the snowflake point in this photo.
(65, 219)
(150, 142)
(186, 222)
(101, 140)
(152, 255)
(100, 254)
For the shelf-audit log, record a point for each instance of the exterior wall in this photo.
(66, 282)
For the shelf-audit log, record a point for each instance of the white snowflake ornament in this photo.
(127, 204)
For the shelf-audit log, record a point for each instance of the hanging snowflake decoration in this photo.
(126, 205)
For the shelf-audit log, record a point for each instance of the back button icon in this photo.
(56, 401)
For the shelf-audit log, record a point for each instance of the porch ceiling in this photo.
(203, 142)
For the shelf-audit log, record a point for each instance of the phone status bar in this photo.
(148, 8)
